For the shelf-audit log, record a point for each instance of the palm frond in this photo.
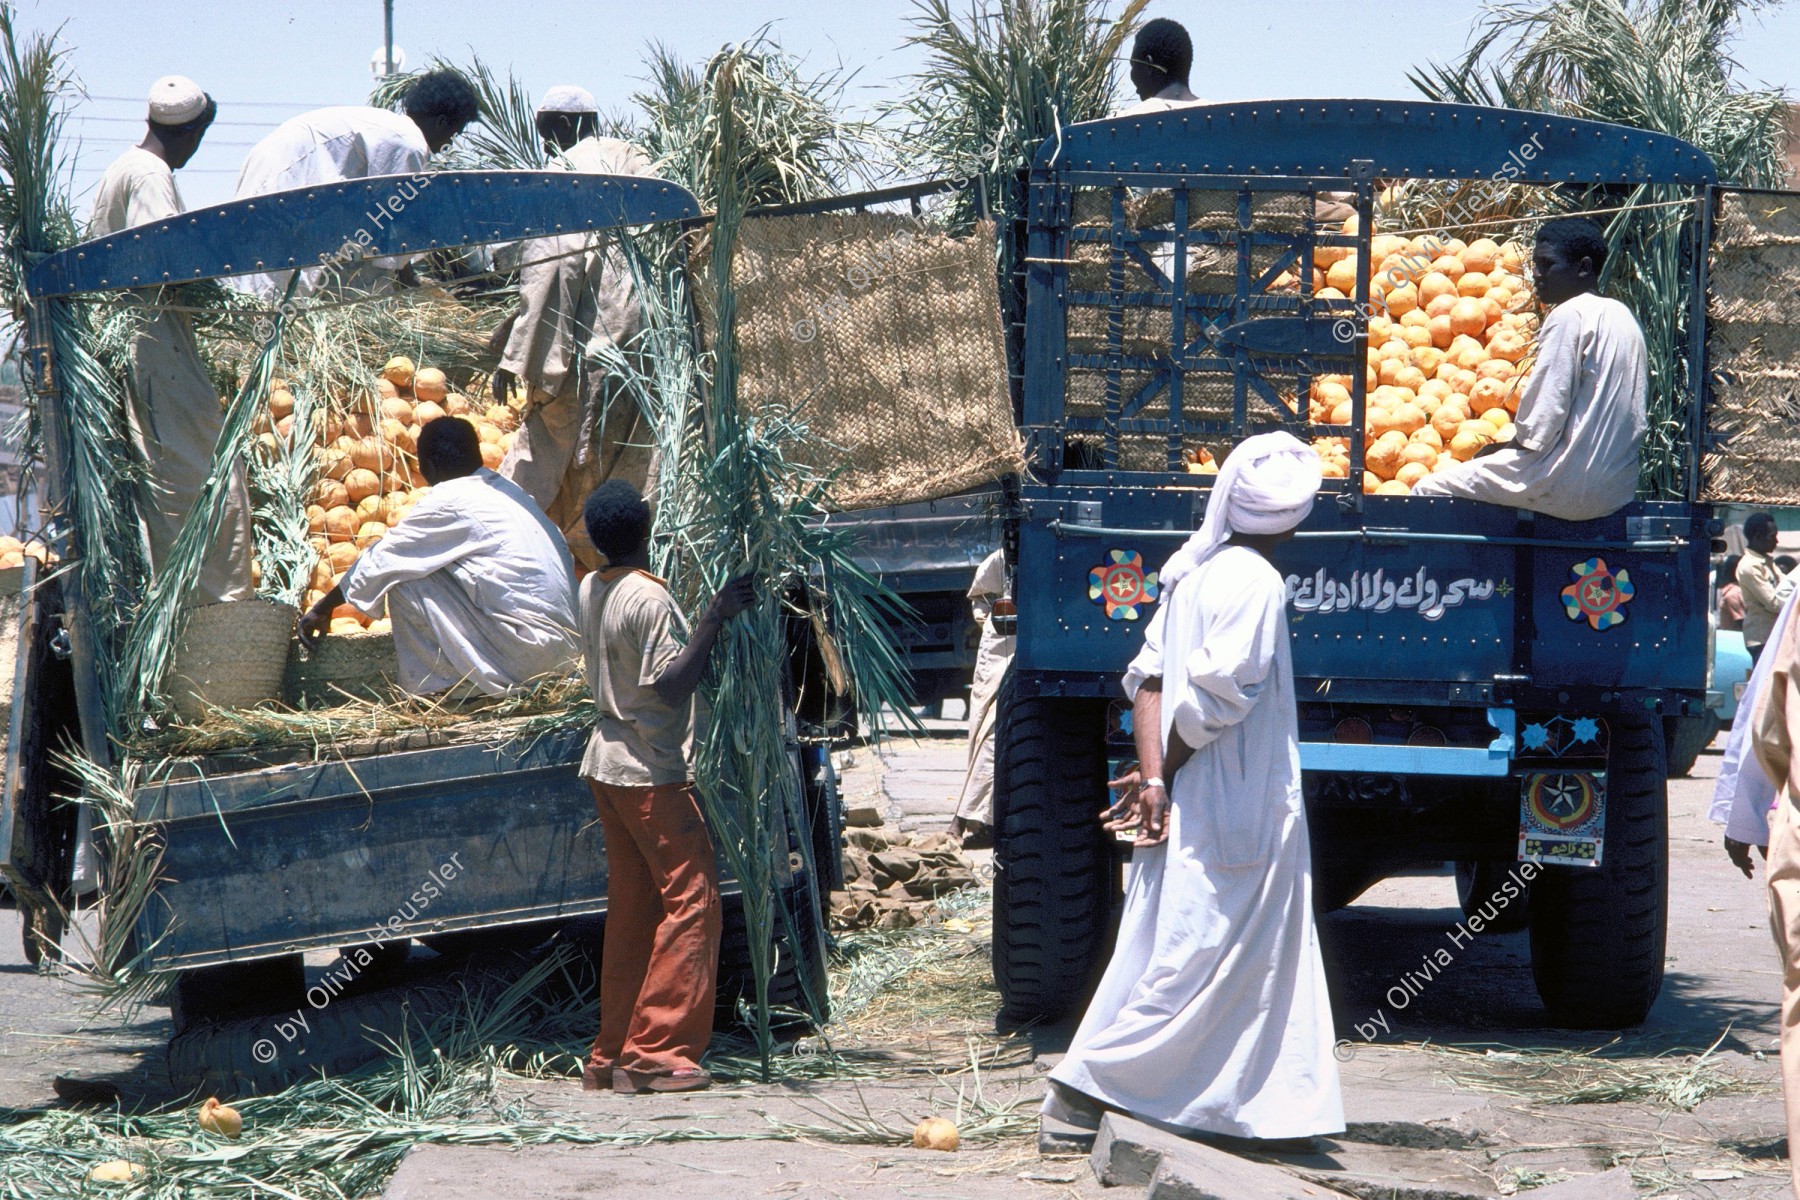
(504, 136)
(1651, 64)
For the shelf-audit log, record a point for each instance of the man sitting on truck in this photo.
(659, 963)
(354, 142)
(478, 583)
(173, 410)
(575, 299)
(1213, 1014)
(1581, 419)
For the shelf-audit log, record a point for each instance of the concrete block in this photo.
(1129, 1153)
(1608, 1185)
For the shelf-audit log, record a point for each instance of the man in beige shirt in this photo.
(1761, 582)
(659, 962)
(1776, 731)
(174, 413)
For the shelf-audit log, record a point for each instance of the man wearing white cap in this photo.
(575, 300)
(174, 410)
(355, 142)
(1213, 1014)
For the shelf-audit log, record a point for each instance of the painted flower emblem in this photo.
(1121, 586)
(1598, 595)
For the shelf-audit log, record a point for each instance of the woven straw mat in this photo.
(361, 665)
(1753, 348)
(231, 656)
(885, 338)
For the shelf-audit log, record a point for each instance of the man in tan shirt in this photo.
(1760, 581)
(659, 962)
(1777, 730)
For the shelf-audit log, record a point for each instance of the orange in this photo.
(1440, 330)
(1473, 284)
(1482, 254)
(1428, 436)
(1490, 309)
(1409, 377)
(1342, 275)
(1408, 419)
(1449, 265)
(1448, 419)
(1441, 306)
(1499, 418)
(1418, 452)
(1402, 300)
(1380, 329)
(1428, 358)
(1495, 368)
(1411, 473)
(1489, 394)
(1415, 337)
(1393, 487)
(1508, 345)
(1467, 316)
(1434, 284)
(1371, 481)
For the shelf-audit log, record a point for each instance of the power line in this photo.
(214, 125)
(232, 103)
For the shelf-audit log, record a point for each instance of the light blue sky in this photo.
(266, 60)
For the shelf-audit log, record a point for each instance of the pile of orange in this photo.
(1450, 347)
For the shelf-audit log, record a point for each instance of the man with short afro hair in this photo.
(1162, 55)
(329, 145)
(478, 583)
(1582, 413)
(660, 959)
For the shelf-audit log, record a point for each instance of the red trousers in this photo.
(660, 959)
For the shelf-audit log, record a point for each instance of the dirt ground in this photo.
(1466, 1092)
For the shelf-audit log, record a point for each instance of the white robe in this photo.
(480, 588)
(1744, 793)
(1213, 1014)
(173, 415)
(1581, 420)
(326, 146)
(992, 659)
(576, 297)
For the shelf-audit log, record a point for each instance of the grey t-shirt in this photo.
(631, 630)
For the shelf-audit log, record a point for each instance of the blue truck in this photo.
(267, 855)
(1477, 684)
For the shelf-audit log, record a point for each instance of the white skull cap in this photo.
(567, 98)
(176, 100)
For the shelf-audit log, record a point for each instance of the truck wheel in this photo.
(1055, 870)
(1598, 933)
(799, 970)
(203, 995)
(1687, 737)
(1477, 883)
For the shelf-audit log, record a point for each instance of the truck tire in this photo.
(254, 989)
(1055, 869)
(1687, 737)
(1477, 883)
(800, 971)
(1598, 933)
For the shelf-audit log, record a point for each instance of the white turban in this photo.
(176, 100)
(1267, 485)
(567, 98)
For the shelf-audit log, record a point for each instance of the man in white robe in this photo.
(174, 412)
(1162, 55)
(575, 299)
(975, 807)
(1581, 420)
(478, 584)
(1213, 1015)
(355, 142)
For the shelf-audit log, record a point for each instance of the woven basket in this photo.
(361, 665)
(231, 656)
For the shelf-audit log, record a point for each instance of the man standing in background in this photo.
(991, 599)
(1760, 581)
(355, 142)
(575, 300)
(174, 411)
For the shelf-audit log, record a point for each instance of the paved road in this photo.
(1722, 973)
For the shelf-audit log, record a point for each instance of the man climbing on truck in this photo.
(1582, 416)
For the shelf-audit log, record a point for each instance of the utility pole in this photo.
(388, 13)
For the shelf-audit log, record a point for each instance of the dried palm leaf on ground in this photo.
(1679, 1079)
(1655, 65)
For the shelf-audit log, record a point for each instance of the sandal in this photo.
(685, 1079)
